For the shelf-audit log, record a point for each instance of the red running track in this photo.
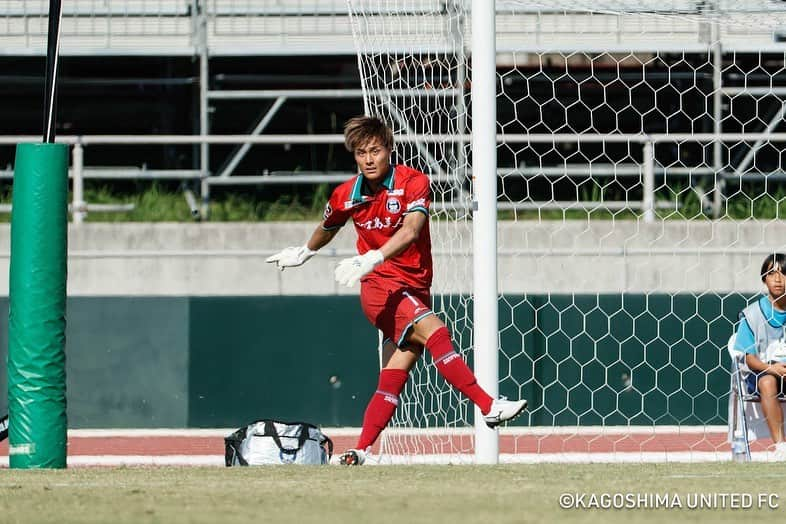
(178, 444)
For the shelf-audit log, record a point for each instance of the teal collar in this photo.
(361, 192)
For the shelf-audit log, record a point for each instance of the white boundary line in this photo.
(564, 458)
(137, 460)
(156, 432)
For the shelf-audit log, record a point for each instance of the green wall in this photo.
(224, 361)
(126, 361)
(273, 357)
(621, 359)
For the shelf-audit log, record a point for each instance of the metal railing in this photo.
(265, 18)
(241, 27)
(95, 27)
(646, 169)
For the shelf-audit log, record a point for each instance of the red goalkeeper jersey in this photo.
(378, 216)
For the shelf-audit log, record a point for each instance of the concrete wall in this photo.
(534, 257)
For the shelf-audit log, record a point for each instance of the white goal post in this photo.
(607, 178)
(484, 219)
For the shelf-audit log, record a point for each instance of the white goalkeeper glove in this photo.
(350, 270)
(291, 257)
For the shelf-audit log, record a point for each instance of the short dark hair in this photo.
(360, 129)
(772, 260)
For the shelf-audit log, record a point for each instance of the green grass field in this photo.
(396, 494)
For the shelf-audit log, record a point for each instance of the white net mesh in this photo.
(639, 188)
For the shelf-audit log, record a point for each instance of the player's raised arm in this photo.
(295, 256)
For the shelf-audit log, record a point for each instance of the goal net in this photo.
(640, 183)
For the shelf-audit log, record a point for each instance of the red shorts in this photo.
(393, 308)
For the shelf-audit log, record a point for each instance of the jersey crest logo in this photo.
(394, 206)
(328, 211)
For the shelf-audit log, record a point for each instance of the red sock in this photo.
(382, 405)
(451, 366)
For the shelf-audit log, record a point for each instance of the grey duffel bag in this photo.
(270, 442)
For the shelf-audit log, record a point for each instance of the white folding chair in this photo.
(738, 421)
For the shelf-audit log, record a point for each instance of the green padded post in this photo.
(37, 304)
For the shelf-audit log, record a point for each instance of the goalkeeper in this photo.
(389, 207)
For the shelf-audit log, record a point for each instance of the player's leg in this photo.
(397, 363)
(769, 387)
(432, 333)
(375, 299)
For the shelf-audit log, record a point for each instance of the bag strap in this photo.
(305, 434)
(305, 428)
(270, 430)
(232, 449)
(326, 440)
(4, 428)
